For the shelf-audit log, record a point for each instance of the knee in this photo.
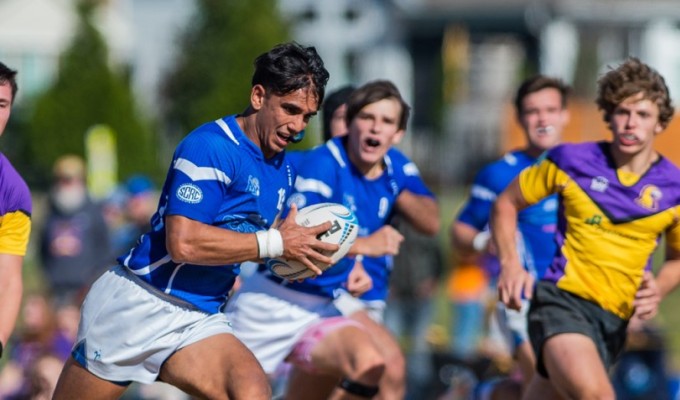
(368, 368)
(595, 392)
(254, 387)
(395, 366)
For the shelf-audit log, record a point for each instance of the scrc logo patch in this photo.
(189, 193)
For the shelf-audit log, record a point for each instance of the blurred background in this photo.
(118, 83)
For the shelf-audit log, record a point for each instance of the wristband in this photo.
(0, 349)
(269, 243)
(481, 241)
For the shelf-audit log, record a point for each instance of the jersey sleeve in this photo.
(15, 230)
(407, 174)
(476, 211)
(199, 179)
(541, 180)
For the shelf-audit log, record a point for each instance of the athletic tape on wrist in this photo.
(269, 243)
(481, 241)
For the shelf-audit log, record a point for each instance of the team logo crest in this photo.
(189, 193)
(253, 186)
(649, 197)
(599, 184)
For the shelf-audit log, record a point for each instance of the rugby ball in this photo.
(343, 232)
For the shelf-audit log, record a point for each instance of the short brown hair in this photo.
(628, 79)
(537, 83)
(373, 92)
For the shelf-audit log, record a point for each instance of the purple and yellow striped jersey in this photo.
(15, 210)
(609, 223)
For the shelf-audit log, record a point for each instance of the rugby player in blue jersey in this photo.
(541, 110)
(616, 198)
(158, 314)
(15, 219)
(300, 321)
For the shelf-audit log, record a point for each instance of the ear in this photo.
(396, 139)
(566, 116)
(658, 128)
(257, 94)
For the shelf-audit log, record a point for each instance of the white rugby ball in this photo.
(343, 232)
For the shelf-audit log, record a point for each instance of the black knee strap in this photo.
(358, 389)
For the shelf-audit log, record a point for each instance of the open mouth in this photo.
(628, 139)
(372, 142)
(545, 130)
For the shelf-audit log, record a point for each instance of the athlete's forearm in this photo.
(463, 238)
(668, 277)
(421, 211)
(190, 241)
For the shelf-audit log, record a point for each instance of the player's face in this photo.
(280, 118)
(543, 119)
(338, 125)
(634, 124)
(372, 132)
(5, 105)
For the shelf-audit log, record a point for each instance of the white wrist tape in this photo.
(270, 243)
(481, 241)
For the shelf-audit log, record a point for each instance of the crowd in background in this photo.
(78, 238)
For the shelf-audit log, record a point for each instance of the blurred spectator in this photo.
(141, 203)
(39, 343)
(128, 211)
(410, 307)
(74, 246)
(467, 291)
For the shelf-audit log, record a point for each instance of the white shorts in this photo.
(348, 305)
(513, 324)
(270, 318)
(128, 328)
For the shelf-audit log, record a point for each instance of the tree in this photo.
(212, 75)
(88, 92)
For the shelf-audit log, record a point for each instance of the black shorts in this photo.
(554, 311)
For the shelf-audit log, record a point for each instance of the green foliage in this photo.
(87, 92)
(211, 77)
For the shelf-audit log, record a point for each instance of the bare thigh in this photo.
(575, 368)
(75, 382)
(218, 367)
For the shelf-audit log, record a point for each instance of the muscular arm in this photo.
(514, 279)
(190, 241)
(11, 289)
(420, 211)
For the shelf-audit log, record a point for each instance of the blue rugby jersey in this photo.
(536, 224)
(221, 178)
(327, 175)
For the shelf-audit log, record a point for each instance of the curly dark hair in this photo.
(628, 79)
(289, 67)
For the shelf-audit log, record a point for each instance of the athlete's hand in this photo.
(647, 298)
(359, 281)
(300, 243)
(514, 282)
(384, 241)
